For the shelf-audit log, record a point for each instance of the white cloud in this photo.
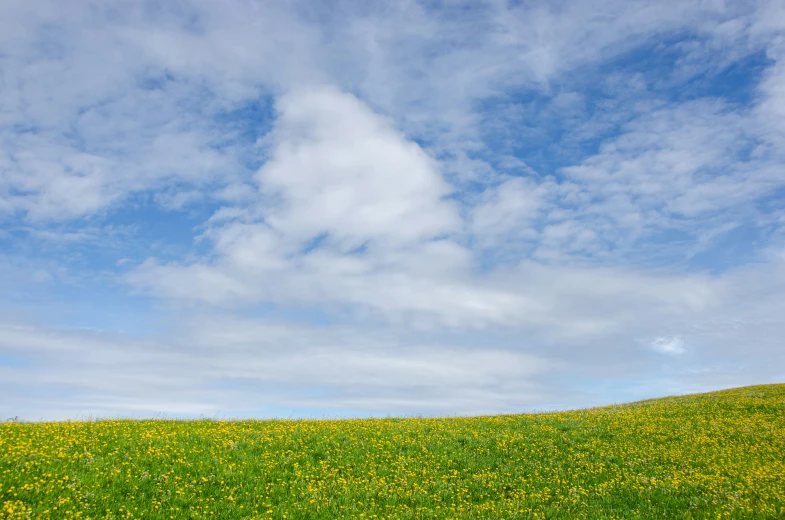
(323, 182)
(337, 168)
(370, 204)
(669, 345)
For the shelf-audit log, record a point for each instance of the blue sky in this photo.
(440, 208)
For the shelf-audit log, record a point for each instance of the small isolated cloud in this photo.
(673, 345)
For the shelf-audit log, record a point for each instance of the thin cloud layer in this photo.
(265, 208)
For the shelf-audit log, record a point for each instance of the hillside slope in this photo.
(718, 455)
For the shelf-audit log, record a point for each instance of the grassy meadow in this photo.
(717, 455)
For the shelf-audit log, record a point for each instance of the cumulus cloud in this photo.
(348, 211)
(339, 169)
(669, 345)
(352, 213)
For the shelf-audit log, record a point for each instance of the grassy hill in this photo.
(717, 455)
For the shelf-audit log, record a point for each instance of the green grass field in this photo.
(717, 455)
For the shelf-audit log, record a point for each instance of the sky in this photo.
(364, 209)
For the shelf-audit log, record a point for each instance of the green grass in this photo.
(717, 455)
